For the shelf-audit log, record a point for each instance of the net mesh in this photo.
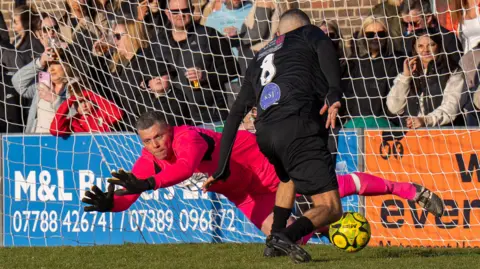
(126, 54)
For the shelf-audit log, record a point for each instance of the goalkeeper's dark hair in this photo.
(296, 14)
(150, 118)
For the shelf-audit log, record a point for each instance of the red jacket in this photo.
(104, 114)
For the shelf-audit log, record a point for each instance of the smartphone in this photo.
(44, 77)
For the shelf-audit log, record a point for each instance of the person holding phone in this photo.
(46, 89)
(431, 90)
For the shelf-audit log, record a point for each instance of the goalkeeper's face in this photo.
(157, 140)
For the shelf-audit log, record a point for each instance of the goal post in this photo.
(43, 177)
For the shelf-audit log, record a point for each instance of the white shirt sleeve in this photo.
(453, 97)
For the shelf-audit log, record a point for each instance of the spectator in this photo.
(45, 98)
(470, 64)
(229, 20)
(49, 34)
(368, 78)
(82, 23)
(94, 113)
(431, 90)
(150, 12)
(12, 57)
(247, 31)
(466, 13)
(331, 29)
(26, 46)
(203, 61)
(138, 82)
(4, 37)
(390, 11)
(248, 121)
(418, 16)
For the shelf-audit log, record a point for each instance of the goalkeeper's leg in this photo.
(369, 185)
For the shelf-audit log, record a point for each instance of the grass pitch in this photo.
(185, 256)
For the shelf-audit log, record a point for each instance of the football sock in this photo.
(280, 218)
(370, 185)
(301, 227)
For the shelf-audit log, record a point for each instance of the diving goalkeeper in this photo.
(171, 155)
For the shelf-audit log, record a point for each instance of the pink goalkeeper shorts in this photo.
(258, 207)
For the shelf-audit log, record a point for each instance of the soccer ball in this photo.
(351, 233)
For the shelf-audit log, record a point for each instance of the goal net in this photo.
(127, 55)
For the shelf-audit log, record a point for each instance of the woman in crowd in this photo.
(431, 90)
(467, 16)
(45, 98)
(331, 29)
(94, 113)
(368, 78)
(138, 82)
(26, 46)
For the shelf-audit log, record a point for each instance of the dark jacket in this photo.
(394, 21)
(14, 58)
(124, 88)
(3, 30)
(206, 49)
(367, 82)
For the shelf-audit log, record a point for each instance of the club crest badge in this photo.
(270, 95)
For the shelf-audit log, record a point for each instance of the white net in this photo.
(132, 60)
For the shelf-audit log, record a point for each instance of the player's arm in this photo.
(190, 148)
(330, 68)
(242, 105)
(329, 63)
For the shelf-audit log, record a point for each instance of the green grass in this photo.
(231, 256)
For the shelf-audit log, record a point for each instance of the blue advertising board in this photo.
(348, 162)
(45, 178)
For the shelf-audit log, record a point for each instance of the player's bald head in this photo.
(291, 20)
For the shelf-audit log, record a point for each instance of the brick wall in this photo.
(346, 12)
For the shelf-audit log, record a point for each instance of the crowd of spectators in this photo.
(100, 64)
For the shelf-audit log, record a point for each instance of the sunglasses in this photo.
(332, 35)
(414, 24)
(118, 36)
(55, 28)
(380, 34)
(181, 11)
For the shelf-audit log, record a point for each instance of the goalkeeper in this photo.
(171, 155)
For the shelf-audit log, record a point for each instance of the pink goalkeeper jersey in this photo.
(196, 152)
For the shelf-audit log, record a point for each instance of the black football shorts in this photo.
(297, 148)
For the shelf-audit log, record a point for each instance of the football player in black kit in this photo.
(292, 81)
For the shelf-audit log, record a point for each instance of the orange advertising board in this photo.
(446, 162)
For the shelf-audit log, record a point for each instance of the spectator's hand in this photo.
(230, 31)
(45, 93)
(409, 66)
(159, 84)
(194, 74)
(142, 10)
(332, 113)
(48, 55)
(415, 122)
(100, 46)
